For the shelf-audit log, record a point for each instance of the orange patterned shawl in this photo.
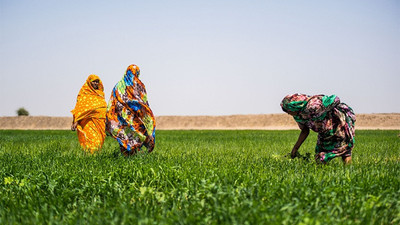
(90, 113)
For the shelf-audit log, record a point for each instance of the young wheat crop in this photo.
(197, 177)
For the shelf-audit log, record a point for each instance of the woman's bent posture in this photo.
(331, 119)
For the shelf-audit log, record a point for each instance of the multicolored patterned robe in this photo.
(90, 113)
(331, 119)
(129, 118)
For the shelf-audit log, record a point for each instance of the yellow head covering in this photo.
(90, 102)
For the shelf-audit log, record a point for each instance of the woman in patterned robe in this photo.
(129, 117)
(331, 119)
(89, 115)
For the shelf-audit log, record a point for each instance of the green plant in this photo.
(197, 177)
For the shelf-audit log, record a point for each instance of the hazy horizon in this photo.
(201, 57)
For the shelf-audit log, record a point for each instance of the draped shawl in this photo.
(90, 113)
(129, 117)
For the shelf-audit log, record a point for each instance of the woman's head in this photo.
(95, 82)
(133, 70)
(294, 104)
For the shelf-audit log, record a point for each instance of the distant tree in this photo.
(22, 112)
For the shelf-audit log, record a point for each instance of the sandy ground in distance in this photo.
(383, 121)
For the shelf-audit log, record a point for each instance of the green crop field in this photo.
(197, 177)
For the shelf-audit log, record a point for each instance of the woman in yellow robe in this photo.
(89, 115)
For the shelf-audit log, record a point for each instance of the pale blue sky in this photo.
(206, 57)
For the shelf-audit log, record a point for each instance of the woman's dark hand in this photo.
(73, 126)
(294, 153)
(320, 157)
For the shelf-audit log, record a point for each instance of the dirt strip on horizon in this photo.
(382, 121)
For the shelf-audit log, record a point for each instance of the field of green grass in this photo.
(197, 177)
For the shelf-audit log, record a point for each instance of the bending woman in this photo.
(129, 117)
(89, 114)
(331, 119)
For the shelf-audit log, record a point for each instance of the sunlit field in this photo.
(197, 177)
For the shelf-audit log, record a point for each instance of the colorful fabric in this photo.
(90, 113)
(331, 119)
(129, 117)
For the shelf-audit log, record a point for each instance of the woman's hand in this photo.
(294, 153)
(74, 125)
(303, 135)
(320, 157)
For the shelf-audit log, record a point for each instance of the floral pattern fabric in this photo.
(331, 119)
(90, 113)
(129, 117)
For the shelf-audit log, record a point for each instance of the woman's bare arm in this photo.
(303, 136)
